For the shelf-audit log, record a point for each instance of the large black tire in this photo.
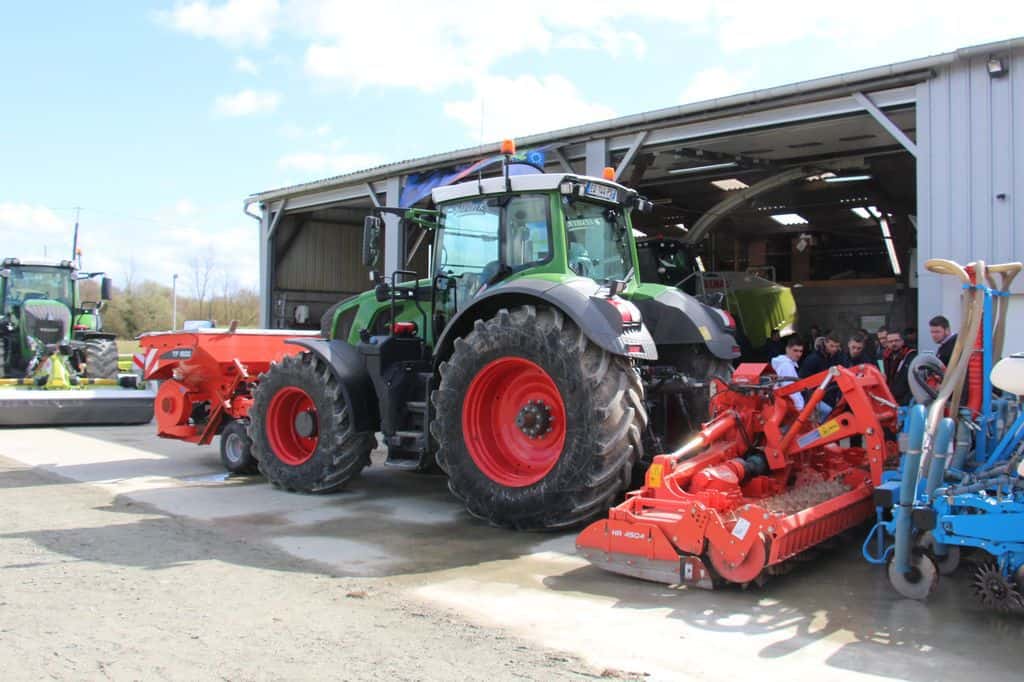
(300, 395)
(236, 449)
(101, 359)
(599, 394)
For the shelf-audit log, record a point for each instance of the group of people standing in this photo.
(891, 351)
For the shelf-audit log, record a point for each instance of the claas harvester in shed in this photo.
(530, 364)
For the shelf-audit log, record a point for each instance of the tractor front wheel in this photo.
(537, 427)
(101, 359)
(301, 427)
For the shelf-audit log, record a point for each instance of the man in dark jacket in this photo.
(898, 357)
(821, 359)
(856, 352)
(939, 328)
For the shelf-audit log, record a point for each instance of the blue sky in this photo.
(158, 119)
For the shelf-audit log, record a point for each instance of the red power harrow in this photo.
(760, 483)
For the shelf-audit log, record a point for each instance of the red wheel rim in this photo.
(290, 446)
(513, 422)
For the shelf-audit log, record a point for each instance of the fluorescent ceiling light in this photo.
(680, 226)
(889, 248)
(700, 264)
(848, 178)
(638, 234)
(700, 169)
(866, 212)
(824, 176)
(730, 184)
(789, 219)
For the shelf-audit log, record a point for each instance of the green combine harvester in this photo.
(57, 365)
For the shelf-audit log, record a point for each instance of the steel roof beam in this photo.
(886, 122)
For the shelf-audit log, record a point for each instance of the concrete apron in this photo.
(835, 618)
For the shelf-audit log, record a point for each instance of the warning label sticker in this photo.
(741, 528)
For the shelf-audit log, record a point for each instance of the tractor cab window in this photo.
(598, 241)
(25, 284)
(481, 240)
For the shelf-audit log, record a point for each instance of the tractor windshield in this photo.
(27, 283)
(480, 240)
(598, 241)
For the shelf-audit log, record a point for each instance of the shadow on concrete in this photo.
(838, 597)
(387, 523)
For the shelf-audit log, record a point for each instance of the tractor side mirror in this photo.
(372, 226)
(5, 273)
(106, 288)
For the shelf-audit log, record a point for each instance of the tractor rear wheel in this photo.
(537, 427)
(100, 359)
(301, 427)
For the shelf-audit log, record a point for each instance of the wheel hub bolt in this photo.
(534, 419)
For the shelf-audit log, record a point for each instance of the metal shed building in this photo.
(882, 169)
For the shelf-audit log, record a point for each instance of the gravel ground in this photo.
(98, 588)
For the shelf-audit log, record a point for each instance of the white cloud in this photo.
(245, 103)
(246, 65)
(509, 107)
(235, 22)
(328, 163)
(184, 208)
(711, 83)
(31, 221)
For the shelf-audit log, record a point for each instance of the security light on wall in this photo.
(996, 67)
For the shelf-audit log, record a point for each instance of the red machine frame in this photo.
(207, 376)
(758, 485)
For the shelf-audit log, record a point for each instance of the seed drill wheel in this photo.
(947, 564)
(100, 359)
(236, 449)
(917, 583)
(301, 427)
(537, 427)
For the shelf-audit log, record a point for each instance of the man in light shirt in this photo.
(785, 366)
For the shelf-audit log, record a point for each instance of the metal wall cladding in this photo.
(970, 176)
(324, 257)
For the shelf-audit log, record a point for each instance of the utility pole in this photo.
(174, 302)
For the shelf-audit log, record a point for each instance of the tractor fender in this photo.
(348, 368)
(675, 317)
(579, 299)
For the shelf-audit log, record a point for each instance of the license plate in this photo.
(592, 189)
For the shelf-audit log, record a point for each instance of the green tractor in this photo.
(53, 347)
(531, 365)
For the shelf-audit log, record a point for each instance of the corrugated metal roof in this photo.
(776, 95)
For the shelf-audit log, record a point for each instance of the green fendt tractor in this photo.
(54, 354)
(531, 365)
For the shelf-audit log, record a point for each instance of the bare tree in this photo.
(202, 266)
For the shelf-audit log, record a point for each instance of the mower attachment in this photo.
(758, 485)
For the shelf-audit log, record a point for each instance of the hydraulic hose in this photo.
(952, 381)
(908, 489)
